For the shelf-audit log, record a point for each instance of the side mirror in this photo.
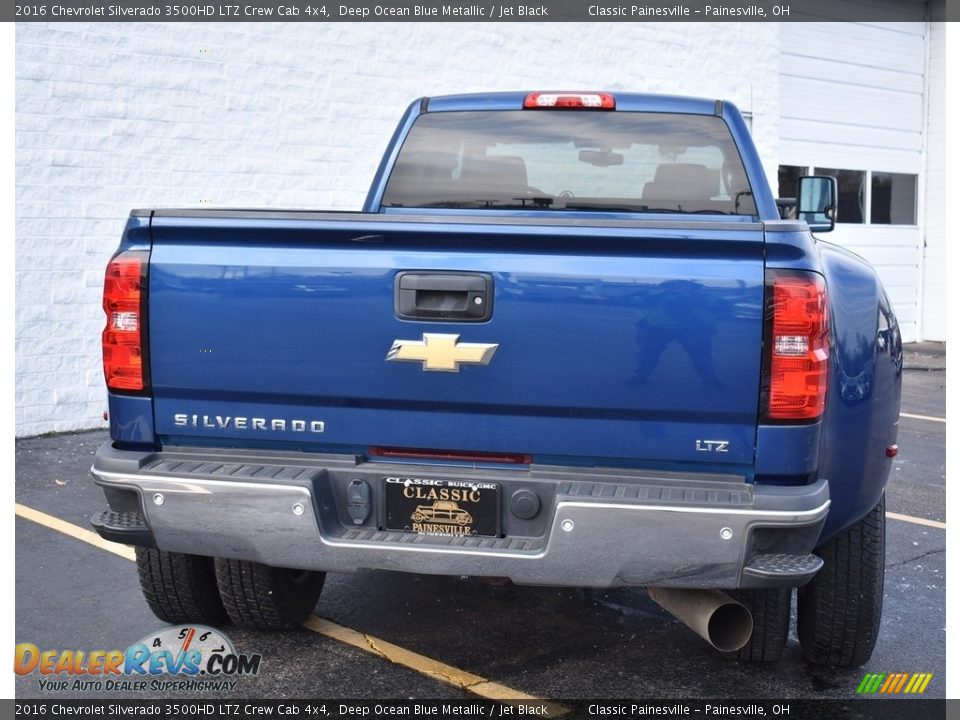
(817, 202)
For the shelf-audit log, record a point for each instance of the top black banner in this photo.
(478, 11)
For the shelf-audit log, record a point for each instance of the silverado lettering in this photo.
(221, 422)
(571, 339)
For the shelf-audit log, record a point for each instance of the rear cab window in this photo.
(573, 161)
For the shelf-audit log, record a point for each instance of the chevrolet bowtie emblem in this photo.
(442, 353)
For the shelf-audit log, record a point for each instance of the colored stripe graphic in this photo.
(918, 683)
(894, 683)
(871, 683)
(903, 679)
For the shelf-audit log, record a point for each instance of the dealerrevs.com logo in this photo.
(188, 657)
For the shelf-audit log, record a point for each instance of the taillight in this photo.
(797, 346)
(570, 101)
(123, 337)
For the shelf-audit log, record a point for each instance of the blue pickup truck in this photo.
(569, 340)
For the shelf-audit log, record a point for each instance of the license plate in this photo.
(441, 507)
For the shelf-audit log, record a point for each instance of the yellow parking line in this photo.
(428, 666)
(931, 418)
(78, 533)
(917, 520)
(422, 664)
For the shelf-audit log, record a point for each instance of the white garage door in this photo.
(852, 105)
(934, 302)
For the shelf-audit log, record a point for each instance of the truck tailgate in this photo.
(619, 341)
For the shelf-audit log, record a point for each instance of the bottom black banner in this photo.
(874, 709)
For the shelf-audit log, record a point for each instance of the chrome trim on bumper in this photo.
(587, 543)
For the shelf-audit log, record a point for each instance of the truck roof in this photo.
(625, 101)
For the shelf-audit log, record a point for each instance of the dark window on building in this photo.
(893, 199)
(787, 177)
(852, 193)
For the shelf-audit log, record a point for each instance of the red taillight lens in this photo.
(123, 336)
(799, 347)
(569, 101)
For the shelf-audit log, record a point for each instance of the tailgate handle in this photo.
(443, 296)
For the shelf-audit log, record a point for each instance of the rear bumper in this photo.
(598, 528)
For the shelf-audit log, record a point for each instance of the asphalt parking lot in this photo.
(547, 643)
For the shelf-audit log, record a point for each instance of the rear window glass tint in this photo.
(568, 160)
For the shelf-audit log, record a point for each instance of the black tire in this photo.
(838, 612)
(180, 588)
(264, 597)
(771, 623)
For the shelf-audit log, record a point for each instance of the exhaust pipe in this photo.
(711, 614)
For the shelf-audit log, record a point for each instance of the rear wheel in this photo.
(771, 623)
(264, 597)
(838, 612)
(180, 588)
